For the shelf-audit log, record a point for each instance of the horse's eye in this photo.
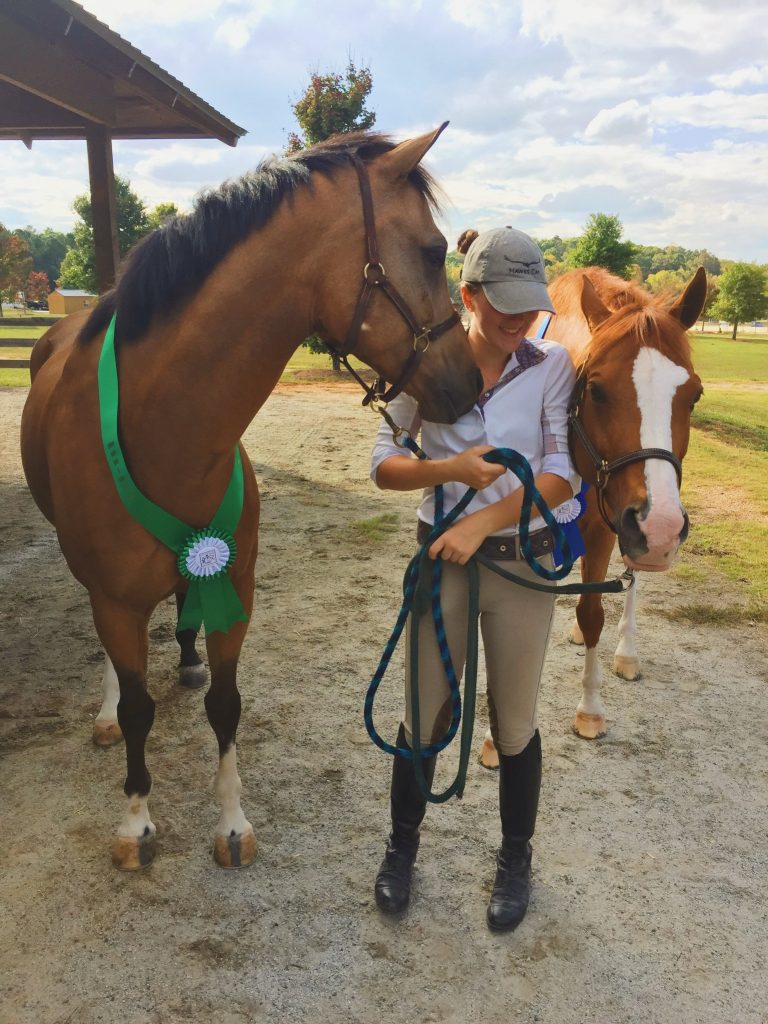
(435, 256)
(597, 392)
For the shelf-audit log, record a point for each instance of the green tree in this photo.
(742, 296)
(15, 265)
(162, 213)
(332, 104)
(47, 248)
(78, 268)
(454, 261)
(601, 246)
(667, 282)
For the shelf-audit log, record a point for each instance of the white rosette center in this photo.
(568, 511)
(207, 556)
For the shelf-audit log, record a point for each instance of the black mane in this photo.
(171, 263)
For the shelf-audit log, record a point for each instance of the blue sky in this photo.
(655, 111)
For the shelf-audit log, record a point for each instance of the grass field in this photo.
(716, 357)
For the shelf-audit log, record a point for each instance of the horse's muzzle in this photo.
(447, 404)
(651, 550)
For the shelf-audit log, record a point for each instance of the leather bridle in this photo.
(603, 468)
(375, 279)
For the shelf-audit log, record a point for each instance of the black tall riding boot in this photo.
(393, 882)
(519, 784)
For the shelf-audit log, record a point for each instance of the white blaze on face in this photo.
(656, 380)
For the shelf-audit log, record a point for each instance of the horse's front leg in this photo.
(626, 663)
(124, 636)
(590, 713)
(234, 843)
(192, 672)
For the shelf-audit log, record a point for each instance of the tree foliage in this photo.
(37, 289)
(332, 104)
(78, 268)
(162, 213)
(742, 294)
(601, 246)
(47, 248)
(15, 265)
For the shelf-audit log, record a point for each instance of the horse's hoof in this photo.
(235, 851)
(106, 734)
(589, 727)
(192, 677)
(489, 755)
(132, 853)
(627, 668)
(576, 636)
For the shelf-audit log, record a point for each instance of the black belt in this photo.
(502, 549)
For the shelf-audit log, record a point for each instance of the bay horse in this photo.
(629, 428)
(209, 308)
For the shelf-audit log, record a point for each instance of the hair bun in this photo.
(466, 238)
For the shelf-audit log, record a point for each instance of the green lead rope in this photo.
(204, 555)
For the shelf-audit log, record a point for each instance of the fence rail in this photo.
(17, 363)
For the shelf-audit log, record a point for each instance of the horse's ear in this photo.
(591, 304)
(400, 161)
(691, 302)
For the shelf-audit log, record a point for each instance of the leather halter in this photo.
(605, 469)
(375, 278)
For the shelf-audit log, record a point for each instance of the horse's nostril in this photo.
(686, 527)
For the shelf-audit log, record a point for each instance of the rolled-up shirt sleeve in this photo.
(554, 418)
(405, 412)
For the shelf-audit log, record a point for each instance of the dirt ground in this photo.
(650, 857)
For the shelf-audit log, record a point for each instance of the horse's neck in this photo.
(569, 328)
(205, 373)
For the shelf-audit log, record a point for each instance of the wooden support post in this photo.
(103, 207)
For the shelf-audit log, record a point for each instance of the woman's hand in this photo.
(459, 542)
(470, 468)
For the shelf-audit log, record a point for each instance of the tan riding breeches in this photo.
(515, 624)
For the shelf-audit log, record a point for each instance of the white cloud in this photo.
(627, 30)
(626, 122)
(481, 15)
(753, 75)
(743, 112)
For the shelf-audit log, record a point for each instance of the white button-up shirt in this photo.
(526, 410)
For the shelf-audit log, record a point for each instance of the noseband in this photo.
(375, 278)
(605, 469)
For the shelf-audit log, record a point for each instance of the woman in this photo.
(523, 405)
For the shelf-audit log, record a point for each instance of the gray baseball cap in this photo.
(510, 267)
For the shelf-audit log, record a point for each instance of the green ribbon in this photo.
(211, 599)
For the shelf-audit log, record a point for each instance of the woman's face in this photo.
(503, 332)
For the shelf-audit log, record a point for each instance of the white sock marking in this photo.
(228, 787)
(591, 679)
(628, 624)
(110, 693)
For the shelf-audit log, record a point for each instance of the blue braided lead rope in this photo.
(415, 580)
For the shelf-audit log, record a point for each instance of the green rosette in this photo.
(211, 598)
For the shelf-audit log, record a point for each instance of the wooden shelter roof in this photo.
(64, 73)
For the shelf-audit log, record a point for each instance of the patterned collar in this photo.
(528, 355)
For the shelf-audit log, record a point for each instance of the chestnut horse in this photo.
(635, 391)
(209, 308)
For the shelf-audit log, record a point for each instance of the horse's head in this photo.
(385, 295)
(639, 389)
